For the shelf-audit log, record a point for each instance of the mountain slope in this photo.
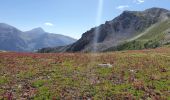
(12, 39)
(155, 36)
(130, 25)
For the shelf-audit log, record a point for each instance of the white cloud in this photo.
(139, 1)
(48, 24)
(122, 7)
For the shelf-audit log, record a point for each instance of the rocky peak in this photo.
(38, 30)
(6, 26)
(156, 9)
(8, 29)
(157, 13)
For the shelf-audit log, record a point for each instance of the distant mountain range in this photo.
(12, 39)
(130, 30)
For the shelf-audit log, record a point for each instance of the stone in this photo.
(105, 65)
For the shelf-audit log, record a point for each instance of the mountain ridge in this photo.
(127, 25)
(13, 39)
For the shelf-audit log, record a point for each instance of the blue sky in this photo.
(68, 17)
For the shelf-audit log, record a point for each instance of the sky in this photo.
(68, 17)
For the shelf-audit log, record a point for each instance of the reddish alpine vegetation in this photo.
(138, 74)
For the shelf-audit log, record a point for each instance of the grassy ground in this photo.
(143, 74)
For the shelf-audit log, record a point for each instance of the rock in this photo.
(105, 65)
(19, 86)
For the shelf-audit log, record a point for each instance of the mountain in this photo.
(125, 30)
(12, 39)
(155, 36)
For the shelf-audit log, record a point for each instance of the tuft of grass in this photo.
(43, 94)
(38, 83)
(3, 80)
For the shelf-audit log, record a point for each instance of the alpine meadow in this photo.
(85, 50)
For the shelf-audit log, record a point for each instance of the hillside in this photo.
(127, 27)
(155, 36)
(12, 39)
(127, 75)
